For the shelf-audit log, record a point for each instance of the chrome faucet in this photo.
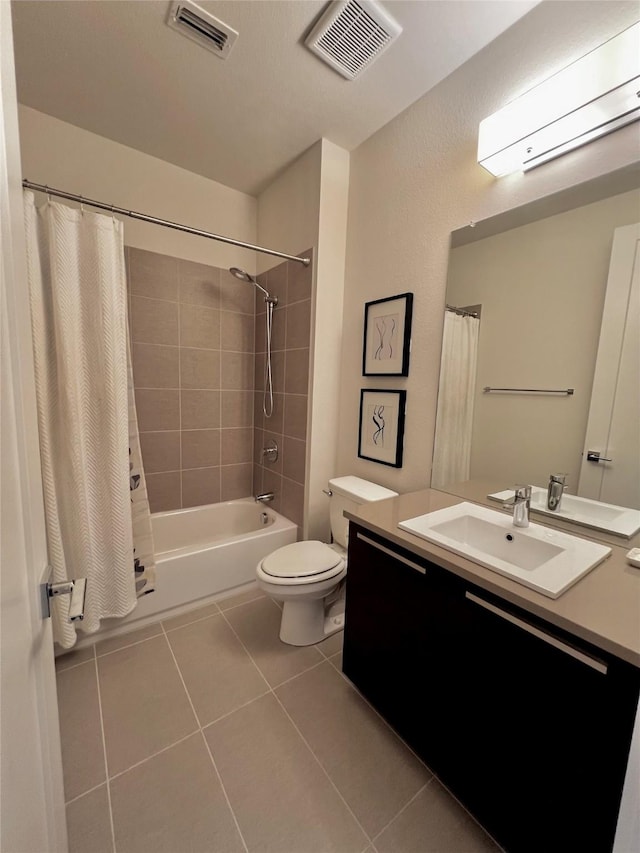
(555, 490)
(521, 503)
(265, 498)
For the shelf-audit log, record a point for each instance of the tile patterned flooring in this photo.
(204, 733)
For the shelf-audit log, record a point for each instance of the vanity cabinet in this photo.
(527, 725)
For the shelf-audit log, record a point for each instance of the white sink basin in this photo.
(609, 517)
(548, 561)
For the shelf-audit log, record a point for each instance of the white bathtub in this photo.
(202, 554)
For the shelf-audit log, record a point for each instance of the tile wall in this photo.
(192, 336)
(198, 345)
(291, 283)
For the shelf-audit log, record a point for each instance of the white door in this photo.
(32, 816)
(613, 428)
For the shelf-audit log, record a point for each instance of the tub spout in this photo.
(265, 498)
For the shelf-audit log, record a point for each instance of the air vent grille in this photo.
(198, 25)
(352, 34)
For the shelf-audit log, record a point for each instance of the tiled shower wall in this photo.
(198, 353)
(291, 283)
(192, 335)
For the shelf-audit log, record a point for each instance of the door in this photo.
(613, 428)
(32, 816)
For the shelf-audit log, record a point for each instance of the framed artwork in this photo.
(387, 336)
(382, 426)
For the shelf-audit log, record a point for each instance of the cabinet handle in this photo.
(391, 553)
(541, 635)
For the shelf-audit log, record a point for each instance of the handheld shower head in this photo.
(270, 304)
(243, 275)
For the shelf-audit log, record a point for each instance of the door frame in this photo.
(615, 316)
(32, 798)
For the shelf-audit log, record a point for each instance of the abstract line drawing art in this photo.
(377, 416)
(386, 332)
(387, 336)
(382, 426)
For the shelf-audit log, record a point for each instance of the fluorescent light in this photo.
(593, 96)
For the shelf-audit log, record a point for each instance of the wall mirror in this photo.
(523, 390)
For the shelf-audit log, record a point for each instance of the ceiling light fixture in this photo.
(595, 95)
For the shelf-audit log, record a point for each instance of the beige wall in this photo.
(542, 288)
(307, 206)
(66, 157)
(326, 362)
(417, 179)
(288, 210)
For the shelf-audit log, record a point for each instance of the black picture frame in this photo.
(381, 426)
(386, 345)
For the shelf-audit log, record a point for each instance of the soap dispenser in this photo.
(555, 491)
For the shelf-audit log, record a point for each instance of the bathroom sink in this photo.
(549, 561)
(608, 517)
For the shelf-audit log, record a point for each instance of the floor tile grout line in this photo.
(154, 637)
(59, 671)
(186, 624)
(246, 651)
(323, 769)
(84, 793)
(92, 646)
(213, 763)
(104, 752)
(200, 727)
(471, 816)
(304, 740)
(387, 724)
(197, 718)
(238, 708)
(224, 790)
(129, 645)
(401, 810)
(155, 755)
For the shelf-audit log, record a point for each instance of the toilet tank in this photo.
(348, 493)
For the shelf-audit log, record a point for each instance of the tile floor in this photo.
(205, 734)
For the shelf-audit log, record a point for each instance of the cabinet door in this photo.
(401, 642)
(542, 758)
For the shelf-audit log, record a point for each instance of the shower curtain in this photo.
(454, 419)
(96, 508)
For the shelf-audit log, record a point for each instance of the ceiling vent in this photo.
(352, 34)
(201, 27)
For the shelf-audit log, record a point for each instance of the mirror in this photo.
(537, 276)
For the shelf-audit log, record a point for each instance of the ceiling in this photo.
(116, 69)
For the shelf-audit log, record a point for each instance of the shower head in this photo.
(243, 275)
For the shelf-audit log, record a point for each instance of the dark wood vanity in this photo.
(526, 722)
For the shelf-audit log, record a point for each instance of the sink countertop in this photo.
(603, 608)
(478, 491)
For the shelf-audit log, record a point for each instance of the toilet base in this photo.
(305, 623)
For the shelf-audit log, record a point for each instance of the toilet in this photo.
(307, 576)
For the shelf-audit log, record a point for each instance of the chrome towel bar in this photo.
(567, 391)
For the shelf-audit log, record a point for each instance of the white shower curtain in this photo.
(97, 514)
(454, 420)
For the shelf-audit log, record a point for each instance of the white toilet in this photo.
(306, 576)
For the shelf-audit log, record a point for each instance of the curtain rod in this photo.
(112, 208)
(461, 312)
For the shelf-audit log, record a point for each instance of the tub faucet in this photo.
(555, 490)
(521, 503)
(265, 498)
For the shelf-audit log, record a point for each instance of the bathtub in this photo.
(202, 554)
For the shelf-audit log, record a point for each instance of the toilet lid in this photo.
(301, 559)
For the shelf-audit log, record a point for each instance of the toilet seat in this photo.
(302, 562)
